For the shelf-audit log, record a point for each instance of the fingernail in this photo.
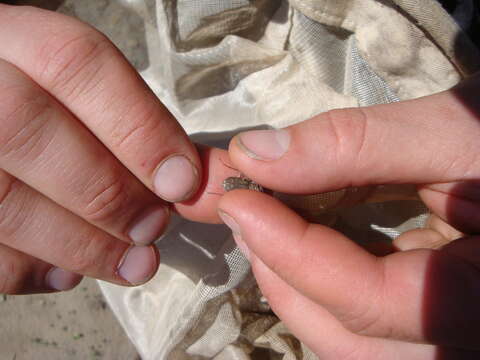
(264, 144)
(62, 280)
(149, 226)
(138, 264)
(175, 179)
(233, 225)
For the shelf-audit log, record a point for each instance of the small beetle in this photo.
(241, 182)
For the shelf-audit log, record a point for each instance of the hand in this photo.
(84, 145)
(342, 301)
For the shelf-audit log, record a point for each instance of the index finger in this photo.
(82, 69)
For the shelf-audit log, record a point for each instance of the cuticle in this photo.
(122, 260)
(246, 150)
(120, 263)
(221, 212)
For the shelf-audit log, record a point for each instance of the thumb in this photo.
(428, 140)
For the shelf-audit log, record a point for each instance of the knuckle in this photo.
(70, 62)
(105, 200)
(12, 207)
(361, 321)
(137, 125)
(7, 183)
(89, 254)
(24, 117)
(367, 315)
(12, 278)
(81, 253)
(349, 132)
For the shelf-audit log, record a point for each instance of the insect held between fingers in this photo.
(239, 182)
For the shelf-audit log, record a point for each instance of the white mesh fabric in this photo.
(221, 66)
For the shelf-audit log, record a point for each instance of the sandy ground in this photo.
(77, 324)
(74, 325)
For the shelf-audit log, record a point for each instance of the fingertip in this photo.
(258, 222)
(419, 239)
(247, 205)
(139, 264)
(149, 225)
(177, 179)
(202, 207)
(59, 279)
(236, 232)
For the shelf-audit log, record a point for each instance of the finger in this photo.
(446, 230)
(217, 168)
(321, 331)
(45, 147)
(35, 225)
(23, 274)
(203, 206)
(298, 248)
(408, 142)
(86, 73)
(436, 234)
(455, 203)
(420, 239)
(367, 294)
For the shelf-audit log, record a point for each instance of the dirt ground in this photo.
(76, 324)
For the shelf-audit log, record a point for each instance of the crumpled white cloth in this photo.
(225, 65)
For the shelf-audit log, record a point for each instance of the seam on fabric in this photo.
(457, 62)
(414, 21)
(290, 30)
(286, 68)
(319, 12)
(202, 52)
(323, 13)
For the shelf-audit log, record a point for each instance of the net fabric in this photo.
(221, 66)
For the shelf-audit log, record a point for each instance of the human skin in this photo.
(81, 143)
(418, 302)
(89, 158)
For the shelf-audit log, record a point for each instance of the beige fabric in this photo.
(225, 65)
(445, 33)
(393, 46)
